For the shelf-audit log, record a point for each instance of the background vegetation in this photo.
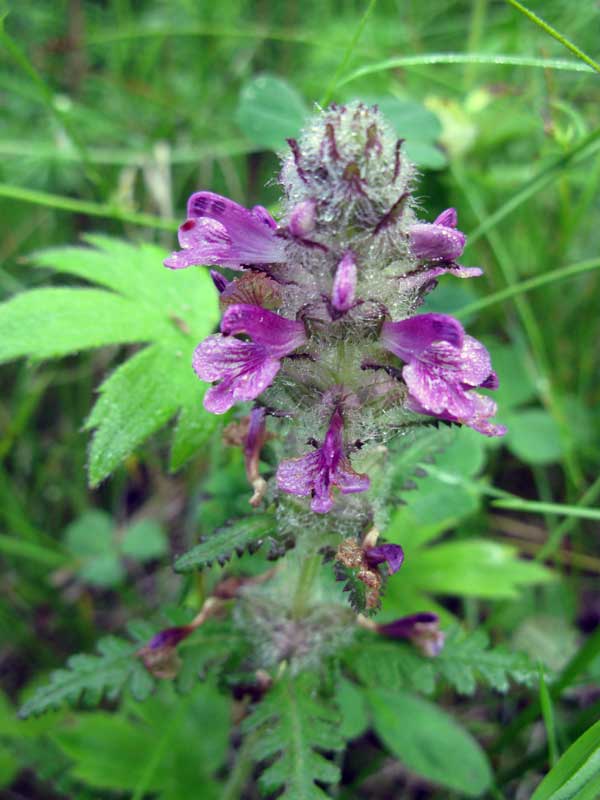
(113, 113)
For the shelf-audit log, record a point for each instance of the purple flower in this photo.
(391, 554)
(344, 284)
(245, 368)
(219, 231)
(421, 629)
(438, 241)
(318, 472)
(442, 366)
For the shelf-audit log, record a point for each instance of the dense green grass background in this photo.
(114, 112)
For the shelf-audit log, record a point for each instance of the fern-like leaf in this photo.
(294, 726)
(220, 546)
(89, 678)
(464, 661)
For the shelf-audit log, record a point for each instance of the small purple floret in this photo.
(344, 284)
(318, 472)
(391, 554)
(169, 637)
(442, 366)
(438, 241)
(245, 369)
(219, 231)
(421, 629)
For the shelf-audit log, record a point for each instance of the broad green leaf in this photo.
(533, 436)
(474, 568)
(425, 155)
(48, 323)
(516, 384)
(90, 677)
(293, 724)
(576, 776)
(429, 742)
(270, 111)
(392, 664)
(220, 545)
(351, 705)
(171, 309)
(141, 396)
(91, 539)
(144, 541)
(154, 748)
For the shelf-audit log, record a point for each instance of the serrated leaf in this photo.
(468, 659)
(269, 111)
(394, 665)
(91, 539)
(49, 323)
(141, 396)
(429, 742)
(87, 677)
(194, 428)
(172, 310)
(220, 546)
(294, 725)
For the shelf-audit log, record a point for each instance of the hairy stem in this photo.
(306, 578)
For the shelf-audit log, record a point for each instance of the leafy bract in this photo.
(220, 545)
(465, 660)
(429, 742)
(141, 302)
(88, 678)
(293, 725)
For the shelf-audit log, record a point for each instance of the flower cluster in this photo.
(320, 324)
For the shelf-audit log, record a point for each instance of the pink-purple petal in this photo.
(434, 242)
(410, 337)
(265, 327)
(391, 554)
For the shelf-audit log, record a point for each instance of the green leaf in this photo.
(533, 436)
(88, 678)
(576, 776)
(395, 665)
(294, 724)
(91, 539)
(220, 546)
(473, 568)
(152, 747)
(270, 111)
(466, 659)
(144, 540)
(48, 323)
(172, 310)
(141, 396)
(429, 742)
(516, 383)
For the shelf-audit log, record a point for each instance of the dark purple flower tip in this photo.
(220, 281)
(344, 283)
(318, 472)
(409, 338)
(303, 218)
(391, 554)
(219, 231)
(169, 637)
(421, 629)
(438, 241)
(245, 369)
(448, 218)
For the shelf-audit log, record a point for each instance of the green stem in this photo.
(306, 579)
(242, 770)
(555, 34)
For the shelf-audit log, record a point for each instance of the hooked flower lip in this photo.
(318, 472)
(220, 231)
(443, 366)
(245, 369)
(439, 240)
